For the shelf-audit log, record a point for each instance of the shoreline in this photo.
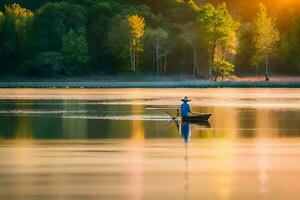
(157, 84)
(148, 81)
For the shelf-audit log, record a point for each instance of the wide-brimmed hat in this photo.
(186, 99)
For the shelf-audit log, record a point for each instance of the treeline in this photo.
(48, 38)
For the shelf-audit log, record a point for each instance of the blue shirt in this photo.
(185, 110)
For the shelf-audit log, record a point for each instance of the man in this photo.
(185, 108)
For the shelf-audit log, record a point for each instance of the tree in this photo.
(137, 31)
(265, 37)
(293, 50)
(119, 44)
(220, 31)
(16, 25)
(156, 37)
(47, 63)
(98, 24)
(223, 68)
(21, 18)
(192, 36)
(1, 21)
(52, 21)
(75, 50)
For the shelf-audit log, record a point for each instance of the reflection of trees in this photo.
(24, 125)
(74, 128)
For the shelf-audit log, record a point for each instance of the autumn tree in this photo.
(137, 31)
(1, 21)
(220, 32)
(265, 37)
(1, 25)
(21, 18)
(222, 68)
(16, 27)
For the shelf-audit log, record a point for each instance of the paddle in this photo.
(174, 119)
(171, 115)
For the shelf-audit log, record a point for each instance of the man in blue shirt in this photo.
(185, 108)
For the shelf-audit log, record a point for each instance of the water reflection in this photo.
(185, 131)
(90, 118)
(141, 157)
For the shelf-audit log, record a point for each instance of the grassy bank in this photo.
(150, 82)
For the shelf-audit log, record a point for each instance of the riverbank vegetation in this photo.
(211, 39)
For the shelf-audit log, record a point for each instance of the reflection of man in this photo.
(186, 131)
(185, 108)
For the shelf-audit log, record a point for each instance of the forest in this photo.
(205, 39)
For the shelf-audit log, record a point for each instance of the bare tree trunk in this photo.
(212, 59)
(267, 69)
(256, 70)
(153, 61)
(198, 67)
(157, 59)
(195, 60)
(131, 56)
(133, 66)
(165, 67)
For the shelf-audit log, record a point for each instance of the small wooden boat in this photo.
(198, 118)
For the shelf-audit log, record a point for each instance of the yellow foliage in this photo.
(22, 18)
(192, 3)
(17, 11)
(137, 25)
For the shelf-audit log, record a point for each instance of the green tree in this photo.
(118, 43)
(99, 20)
(137, 32)
(265, 37)
(220, 31)
(294, 45)
(47, 64)
(52, 21)
(75, 50)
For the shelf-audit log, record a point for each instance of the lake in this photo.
(86, 144)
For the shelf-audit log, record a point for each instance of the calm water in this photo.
(121, 144)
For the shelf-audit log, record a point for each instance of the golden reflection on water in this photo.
(224, 177)
(136, 152)
(202, 169)
(138, 129)
(228, 119)
(244, 153)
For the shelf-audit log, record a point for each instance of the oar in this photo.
(174, 119)
(171, 115)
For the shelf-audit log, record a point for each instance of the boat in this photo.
(197, 118)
